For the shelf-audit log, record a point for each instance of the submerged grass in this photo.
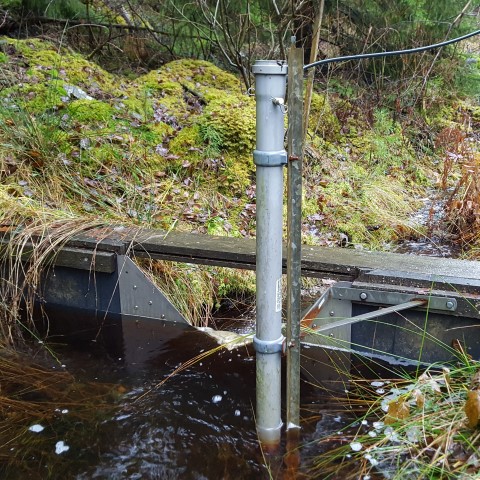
(39, 405)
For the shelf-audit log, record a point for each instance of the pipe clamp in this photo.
(269, 159)
(268, 346)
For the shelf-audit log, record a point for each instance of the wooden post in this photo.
(311, 73)
(294, 230)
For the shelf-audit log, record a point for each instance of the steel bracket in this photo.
(382, 297)
(268, 346)
(269, 159)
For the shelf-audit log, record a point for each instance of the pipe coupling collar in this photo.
(268, 346)
(269, 159)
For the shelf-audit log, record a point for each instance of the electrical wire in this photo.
(389, 54)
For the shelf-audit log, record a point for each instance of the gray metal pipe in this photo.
(270, 158)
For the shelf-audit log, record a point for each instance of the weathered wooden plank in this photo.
(322, 262)
(99, 241)
(85, 259)
(316, 261)
(66, 256)
(348, 261)
(237, 250)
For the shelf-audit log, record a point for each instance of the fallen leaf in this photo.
(472, 408)
(419, 397)
(397, 410)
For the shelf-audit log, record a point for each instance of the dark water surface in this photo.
(198, 424)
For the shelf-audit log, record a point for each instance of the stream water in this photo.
(168, 422)
(438, 242)
(198, 425)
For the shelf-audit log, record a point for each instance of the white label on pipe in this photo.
(278, 303)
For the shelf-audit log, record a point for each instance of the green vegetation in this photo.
(113, 122)
(421, 426)
(172, 149)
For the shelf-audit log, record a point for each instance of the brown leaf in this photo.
(472, 408)
(397, 410)
(419, 397)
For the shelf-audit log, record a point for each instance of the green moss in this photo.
(182, 88)
(3, 57)
(90, 111)
(151, 135)
(200, 75)
(37, 97)
(238, 174)
(105, 154)
(233, 118)
(156, 80)
(47, 62)
(135, 107)
(186, 143)
(309, 205)
(322, 120)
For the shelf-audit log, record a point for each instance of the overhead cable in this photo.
(390, 54)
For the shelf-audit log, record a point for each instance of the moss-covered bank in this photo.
(171, 149)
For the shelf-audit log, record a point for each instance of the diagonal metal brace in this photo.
(370, 315)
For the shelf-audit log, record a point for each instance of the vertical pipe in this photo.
(294, 233)
(270, 158)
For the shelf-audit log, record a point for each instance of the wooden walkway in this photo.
(94, 278)
(321, 262)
